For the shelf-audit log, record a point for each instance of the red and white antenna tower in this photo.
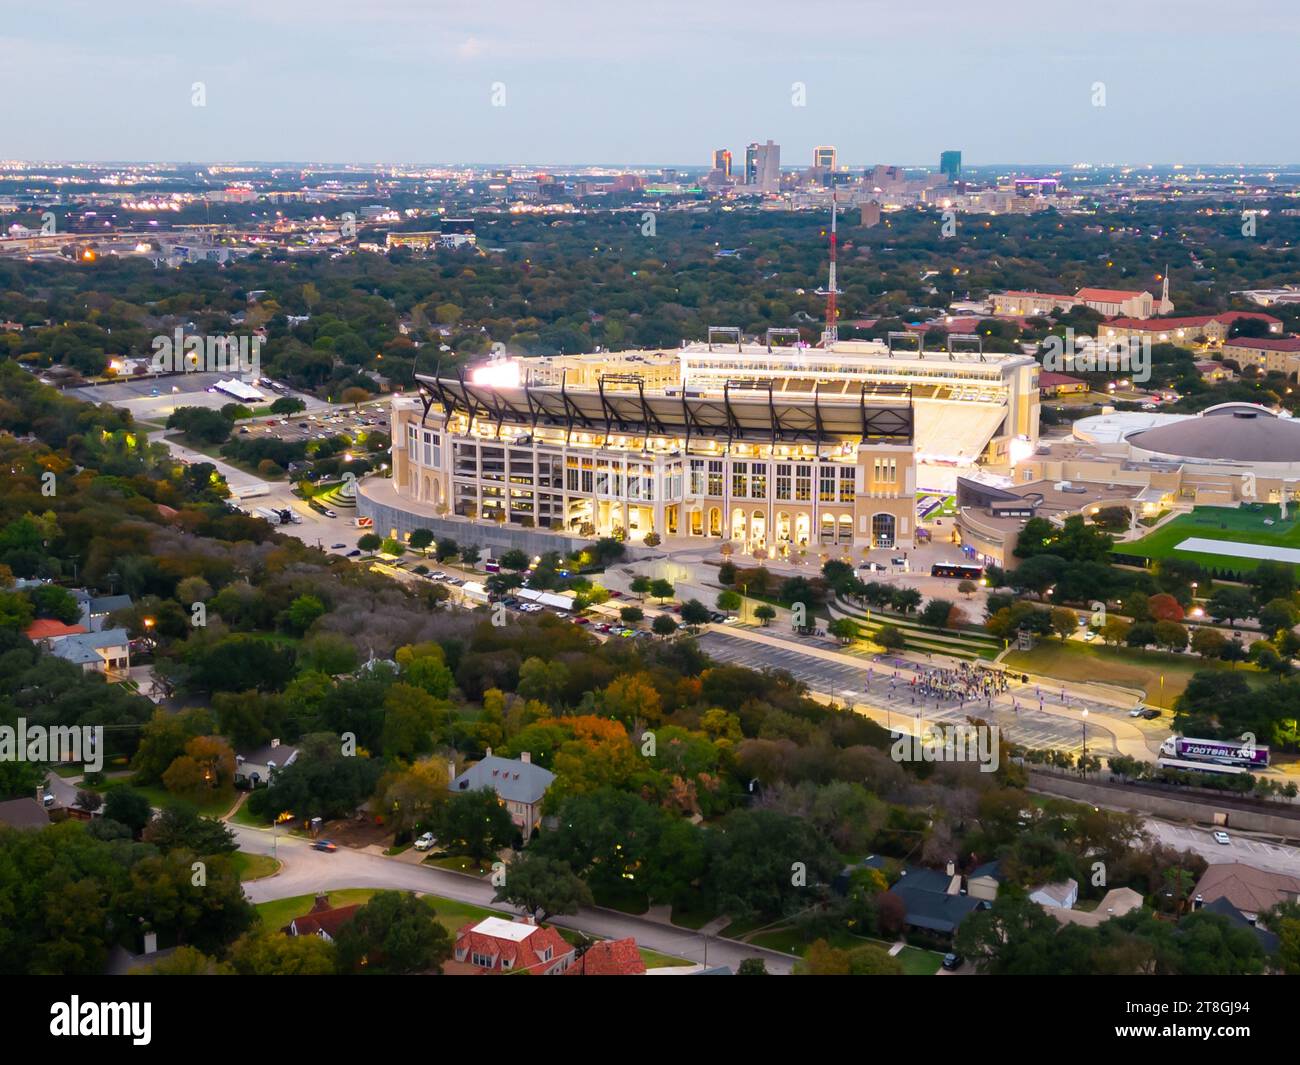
(832, 332)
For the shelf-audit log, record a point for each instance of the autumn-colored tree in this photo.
(633, 699)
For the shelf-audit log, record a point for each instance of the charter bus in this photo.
(962, 571)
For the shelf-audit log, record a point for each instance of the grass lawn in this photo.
(632, 902)
(654, 960)
(280, 912)
(460, 864)
(254, 866)
(918, 962)
(67, 772)
(1123, 666)
(1244, 524)
(243, 817)
(688, 918)
(212, 805)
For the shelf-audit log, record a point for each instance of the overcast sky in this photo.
(642, 83)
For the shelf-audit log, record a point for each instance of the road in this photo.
(306, 871)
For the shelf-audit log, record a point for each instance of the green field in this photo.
(1243, 525)
(1122, 666)
(254, 866)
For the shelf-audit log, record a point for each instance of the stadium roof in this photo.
(1233, 432)
(745, 411)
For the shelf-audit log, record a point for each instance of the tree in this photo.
(369, 542)
(302, 612)
(543, 887)
(967, 588)
(1115, 631)
(1277, 615)
(935, 614)
(200, 425)
(421, 539)
(890, 637)
(1164, 607)
(287, 405)
(392, 546)
(640, 585)
(355, 396)
(392, 934)
(514, 559)
(128, 808)
(765, 613)
(752, 967)
(180, 826)
(1208, 643)
(1273, 580)
(661, 589)
(631, 615)
(729, 601)
(470, 554)
(447, 548)
(269, 952)
(1229, 603)
(694, 613)
(475, 824)
(664, 625)
(1064, 622)
(905, 600)
(1171, 635)
(846, 630)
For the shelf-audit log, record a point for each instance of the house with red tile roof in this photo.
(324, 920)
(48, 630)
(495, 945)
(1051, 383)
(610, 957)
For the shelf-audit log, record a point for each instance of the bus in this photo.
(962, 571)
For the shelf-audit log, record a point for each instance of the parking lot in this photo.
(153, 398)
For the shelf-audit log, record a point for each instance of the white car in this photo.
(1222, 838)
(425, 842)
(1135, 712)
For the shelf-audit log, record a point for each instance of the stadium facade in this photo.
(775, 449)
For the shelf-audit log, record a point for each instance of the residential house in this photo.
(1215, 372)
(933, 901)
(95, 609)
(1224, 908)
(24, 813)
(1252, 891)
(983, 881)
(46, 632)
(257, 767)
(610, 957)
(519, 784)
(1115, 903)
(1063, 894)
(107, 652)
(323, 920)
(495, 945)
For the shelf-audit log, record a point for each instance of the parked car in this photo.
(47, 799)
(337, 547)
(1222, 838)
(425, 842)
(354, 552)
(952, 961)
(1135, 712)
(1151, 714)
(325, 845)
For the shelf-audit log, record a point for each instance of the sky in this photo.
(549, 82)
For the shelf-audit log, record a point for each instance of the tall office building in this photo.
(763, 166)
(950, 165)
(824, 156)
(722, 161)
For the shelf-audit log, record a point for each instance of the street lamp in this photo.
(1085, 732)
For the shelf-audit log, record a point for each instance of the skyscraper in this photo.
(722, 161)
(763, 166)
(950, 165)
(824, 155)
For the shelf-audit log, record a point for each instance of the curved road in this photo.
(306, 871)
